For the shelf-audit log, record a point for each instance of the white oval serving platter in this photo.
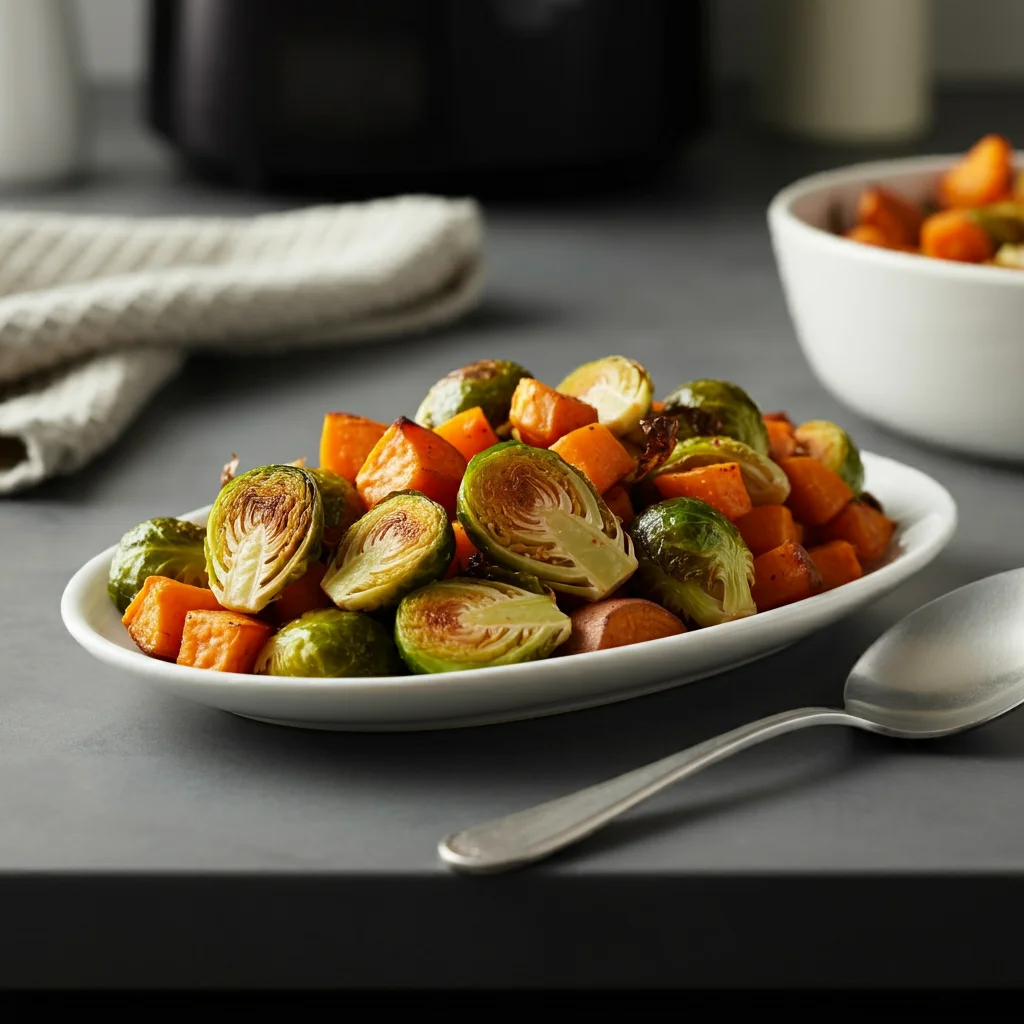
(927, 519)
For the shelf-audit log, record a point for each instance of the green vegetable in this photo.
(693, 561)
(764, 480)
(263, 531)
(1004, 221)
(717, 407)
(488, 383)
(618, 388)
(477, 568)
(463, 623)
(831, 445)
(158, 547)
(528, 510)
(400, 544)
(330, 643)
(342, 504)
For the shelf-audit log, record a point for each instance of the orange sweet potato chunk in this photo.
(470, 432)
(221, 640)
(816, 492)
(766, 527)
(301, 596)
(464, 550)
(597, 453)
(867, 529)
(411, 457)
(720, 486)
(619, 502)
(541, 415)
(346, 440)
(156, 618)
(784, 575)
(837, 562)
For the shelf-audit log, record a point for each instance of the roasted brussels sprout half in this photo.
(831, 445)
(618, 388)
(402, 543)
(717, 407)
(465, 623)
(693, 561)
(330, 643)
(488, 383)
(765, 481)
(1003, 221)
(158, 547)
(263, 531)
(529, 510)
(342, 505)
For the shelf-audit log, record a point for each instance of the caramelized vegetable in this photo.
(411, 458)
(956, 235)
(465, 549)
(837, 563)
(618, 622)
(156, 617)
(897, 218)
(345, 442)
(597, 453)
(983, 175)
(784, 575)
(223, 641)
(469, 432)
(302, 596)
(619, 504)
(767, 527)
(541, 415)
(866, 528)
(721, 486)
(816, 492)
(781, 440)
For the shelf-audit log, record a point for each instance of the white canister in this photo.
(42, 130)
(846, 70)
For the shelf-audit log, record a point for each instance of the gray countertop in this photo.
(144, 840)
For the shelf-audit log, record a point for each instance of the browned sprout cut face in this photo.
(471, 623)
(263, 531)
(528, 510)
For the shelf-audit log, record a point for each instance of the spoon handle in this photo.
(532, 834)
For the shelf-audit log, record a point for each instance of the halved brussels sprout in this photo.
(158, 547)
(330, 643)
(693, 561)
(529, 510)
(618, 388)
(1003, 221)
(402, 543)
(464, 623)
(766, 483)
(488, 383)
(718, 407)
(263, 531)
(342, 505)
(831, 445)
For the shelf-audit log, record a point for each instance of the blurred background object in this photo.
(42, 122)
(846, 70)
(356, 96)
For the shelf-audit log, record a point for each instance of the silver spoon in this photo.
(955, 663)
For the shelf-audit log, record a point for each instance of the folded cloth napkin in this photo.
(97, 313)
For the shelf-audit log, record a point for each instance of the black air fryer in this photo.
(349, 96)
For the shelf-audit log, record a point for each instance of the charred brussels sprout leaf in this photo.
(764, 480)
(330, 643)
(618, 388)
(528, 510)
(708, 407)
(693, 561)
(158, 547)
(470, 623)
(831, 445)
(399, 545)
(488, 383)
(651, 445)
(478, 568)
(263, 531)
(342, 505)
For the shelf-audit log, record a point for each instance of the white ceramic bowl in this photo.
(929, 348)
(925, 512)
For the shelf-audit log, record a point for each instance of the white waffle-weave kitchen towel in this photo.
(97, 313)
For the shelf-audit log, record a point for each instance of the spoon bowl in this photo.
(953, 664)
